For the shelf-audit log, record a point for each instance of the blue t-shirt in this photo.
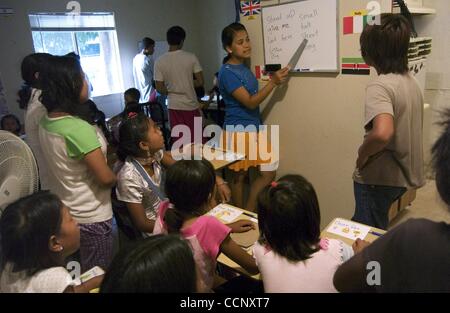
(231, 77)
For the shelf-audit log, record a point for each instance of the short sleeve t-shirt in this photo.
(232, 77)
(143, 75)
(400, 163)
(176, 70)
(205, 236)
(65, 141)
(413, 257)
(35, 112)
(133, 188)
(312, 275)
(51, 280)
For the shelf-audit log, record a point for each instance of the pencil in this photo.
(375, 233)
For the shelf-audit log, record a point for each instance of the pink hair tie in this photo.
(132, 115)
(323, 244)
(274, 184)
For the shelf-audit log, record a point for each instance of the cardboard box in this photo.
(407, 199)
(393, 211)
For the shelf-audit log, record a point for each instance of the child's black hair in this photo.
(132, 131)
(386, 46)
(31, 64)
(158, 264)
(441, 160)
(26, 226)
(228, 34)
(189, 185)
(175, 35)
(132, 107)
(147, 43)
(133, 93)
(5, 117)
(289, 218)
(62, 83)
(73, 55)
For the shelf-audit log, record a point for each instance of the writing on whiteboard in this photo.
(285, 26)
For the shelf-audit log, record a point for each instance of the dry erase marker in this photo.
(375, 233)
(306, 70)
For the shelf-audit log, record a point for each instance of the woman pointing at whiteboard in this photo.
(239, 88)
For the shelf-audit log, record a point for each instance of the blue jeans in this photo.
(373, 203)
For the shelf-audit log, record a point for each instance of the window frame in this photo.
(108, 18)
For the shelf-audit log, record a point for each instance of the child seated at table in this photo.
(290, 253)
(190, 187)
(158, 264)
(142, 158)
(141, 170)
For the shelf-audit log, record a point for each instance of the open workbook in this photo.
(219, 158)
(227, 214)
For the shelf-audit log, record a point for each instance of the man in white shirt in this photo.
(174, 77)
(143, 69)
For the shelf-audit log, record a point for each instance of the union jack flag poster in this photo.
(249, 8)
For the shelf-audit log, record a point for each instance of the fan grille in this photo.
(18, 169)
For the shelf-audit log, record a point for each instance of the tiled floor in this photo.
(426, 205)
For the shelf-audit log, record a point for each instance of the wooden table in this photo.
(198, 150)
(370, 236)
(224, 260)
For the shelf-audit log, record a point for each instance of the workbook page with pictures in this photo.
(348, 229)
(228, 214)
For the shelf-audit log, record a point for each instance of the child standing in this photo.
(76, 151)
(37, 235)
(32, 68)
(290, 254)
(390, 160)
(190, 186)
(173, 78)
(239, 89)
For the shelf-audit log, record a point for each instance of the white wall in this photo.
(321, 121)
(214, 15)
(134, 20)
(437, 86)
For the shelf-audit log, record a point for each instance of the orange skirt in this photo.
(256, 147)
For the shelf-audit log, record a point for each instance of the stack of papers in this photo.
(419, 48)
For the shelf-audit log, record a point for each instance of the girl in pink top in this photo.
(290, 254)
(190, 187)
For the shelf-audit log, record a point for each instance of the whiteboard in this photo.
(161, 47)
(286, 25)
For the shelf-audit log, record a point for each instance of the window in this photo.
(90, 35)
